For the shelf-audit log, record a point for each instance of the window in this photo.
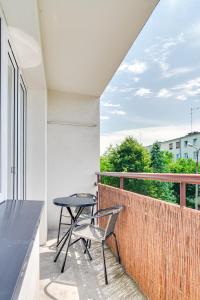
(16, 130)
(185, 155)
(185, 143)
(177, 145)
(177, 156)
(195, 141)
(12, 119)
(22, 141)
(170, 146)
(0, 114)
(12, 124)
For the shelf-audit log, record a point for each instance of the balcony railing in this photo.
(182, 179)
(159, 242)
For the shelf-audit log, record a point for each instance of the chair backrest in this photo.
(114, 213)
(87, 210)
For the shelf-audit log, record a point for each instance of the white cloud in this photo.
(118, 112)
(123, 66)
(164, 66)
(111, 89)
(138, 67)
(164, 93)
(126, 90)
(177, 71)
(104, 117)
(136, 79)
(190, 88)
(195, 30)
(161, 51)
(146, 135)
(107, 104)
(181, 97)
(142, 92)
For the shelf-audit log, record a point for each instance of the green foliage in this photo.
(130, 156)
(187, 166)
(160, 163)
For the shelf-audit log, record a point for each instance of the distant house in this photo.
(179, 146)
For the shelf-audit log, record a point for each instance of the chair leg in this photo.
(58, 237)
(69, 240)
(86, 248)
(117, 248)
(104, 263)
(89, 243)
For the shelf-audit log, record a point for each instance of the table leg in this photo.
(68, 235)
(74, 219)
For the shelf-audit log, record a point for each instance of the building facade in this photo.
(182, 147)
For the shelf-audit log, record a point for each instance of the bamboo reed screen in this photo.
(159, 244)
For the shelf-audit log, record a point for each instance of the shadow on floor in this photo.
(83, 279)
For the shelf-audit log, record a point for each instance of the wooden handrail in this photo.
(167, 177)
(182, 179)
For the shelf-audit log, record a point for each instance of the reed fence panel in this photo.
(159, 244)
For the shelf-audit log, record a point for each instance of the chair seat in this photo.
(89, 232)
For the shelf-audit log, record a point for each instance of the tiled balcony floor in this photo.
(83, 279)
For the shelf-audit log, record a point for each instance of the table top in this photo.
(74, 201)
(19, 221)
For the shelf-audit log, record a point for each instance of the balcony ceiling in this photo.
(84, 42)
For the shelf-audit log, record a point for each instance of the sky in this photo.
(153, 90)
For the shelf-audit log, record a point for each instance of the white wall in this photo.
(73, 147)
(30, 285)
(190, 140)
(174, 151)
(23, 31)
(36, 152)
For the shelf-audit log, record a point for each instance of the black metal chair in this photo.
(87, 212)
(88, 232)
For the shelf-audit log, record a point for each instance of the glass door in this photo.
(22, 141)
(1, 173)
(16, 182)
(12, 121)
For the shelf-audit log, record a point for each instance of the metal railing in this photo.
(182, 179)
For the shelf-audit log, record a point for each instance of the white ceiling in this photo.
(23, 25)
(84, 41)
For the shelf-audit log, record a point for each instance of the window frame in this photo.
(195, 141)
(22, 86)
(6, 49)
(1, 173)
(14, 164)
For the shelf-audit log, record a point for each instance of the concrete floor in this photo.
(83, 279)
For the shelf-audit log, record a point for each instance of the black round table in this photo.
(74, 201)
(68, 203)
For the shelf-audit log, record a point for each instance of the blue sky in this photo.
(158, 82)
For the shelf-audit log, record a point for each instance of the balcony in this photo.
(56, 60)
(83, 279)
(158, 242)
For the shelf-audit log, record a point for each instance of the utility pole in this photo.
(196, 186)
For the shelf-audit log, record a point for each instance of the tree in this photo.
(160, 163)
(129, 156)
(187, 166)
